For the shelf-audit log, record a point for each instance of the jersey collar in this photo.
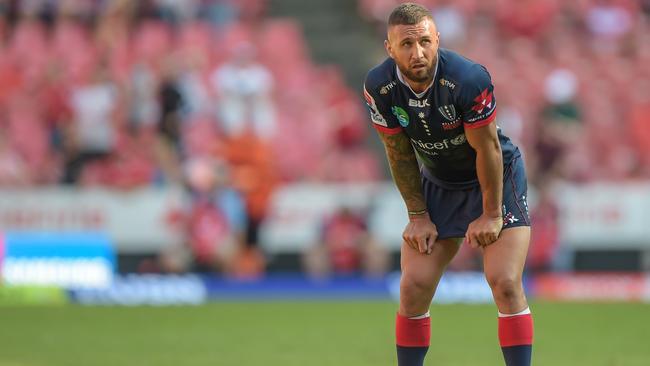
(419, 95)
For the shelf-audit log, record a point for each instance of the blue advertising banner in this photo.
(67, 260)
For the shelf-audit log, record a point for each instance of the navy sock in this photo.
(516, 338)
(411, 356)
(517, 355)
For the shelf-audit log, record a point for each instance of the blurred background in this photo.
(221, 149)
(217, 156)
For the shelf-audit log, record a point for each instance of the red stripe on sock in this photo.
(516, 330)
(412, 332)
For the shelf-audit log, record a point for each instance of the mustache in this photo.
(428, 72)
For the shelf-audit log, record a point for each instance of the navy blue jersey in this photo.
(460, 96)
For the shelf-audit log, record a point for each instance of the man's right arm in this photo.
(420, 233)
(404, 169)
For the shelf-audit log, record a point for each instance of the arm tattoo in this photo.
(405, 170)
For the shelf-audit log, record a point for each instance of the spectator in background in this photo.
(639, 127)
(168, 145)
(13, 170)
(608, 21)
(549, 149)
(254, 175)
(244, 89)
(215, 221)
(451, 22)
(171, 104)
(561, 87)
(561, 123)
(54, 99)
(345, 247)
(193, 88)
(144, 106)
(94, 119)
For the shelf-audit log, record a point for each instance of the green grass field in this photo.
(311, 334)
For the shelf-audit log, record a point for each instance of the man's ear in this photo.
(388, 48)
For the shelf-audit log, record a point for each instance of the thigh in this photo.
(505, 258)
(427, 269)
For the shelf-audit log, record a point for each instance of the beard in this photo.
(421, 75)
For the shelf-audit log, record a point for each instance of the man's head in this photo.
(413, 41)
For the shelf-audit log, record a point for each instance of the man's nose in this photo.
(418, 52)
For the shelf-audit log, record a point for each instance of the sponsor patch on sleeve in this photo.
(375, 115)
(483, 110)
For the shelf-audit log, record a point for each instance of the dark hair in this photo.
(408, 14)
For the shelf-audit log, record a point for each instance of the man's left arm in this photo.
(489, 168)
(478, 108)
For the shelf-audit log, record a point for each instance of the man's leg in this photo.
(504, 264)
(420, 276)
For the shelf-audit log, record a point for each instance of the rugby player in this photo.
(461, 178)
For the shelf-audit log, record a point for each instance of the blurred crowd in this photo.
(218, 97)
(212, 95)
(572, 80)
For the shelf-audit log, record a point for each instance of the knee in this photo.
(506, 288)
(413, 284)
(415, 295)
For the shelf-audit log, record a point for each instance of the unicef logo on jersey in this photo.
(459, 140)
(401, 115)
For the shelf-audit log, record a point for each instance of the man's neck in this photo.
(419, 87)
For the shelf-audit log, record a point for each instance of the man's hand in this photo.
(484, 231)
(420, 233)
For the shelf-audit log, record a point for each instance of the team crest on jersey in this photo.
(448, 111)
(401, 115)
(508, 217)
(447, 126)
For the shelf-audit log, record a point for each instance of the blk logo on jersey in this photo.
(484, 100)
(419, 103)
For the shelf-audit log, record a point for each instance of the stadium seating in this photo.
(68, 53)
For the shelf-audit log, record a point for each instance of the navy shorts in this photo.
(453, 206)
